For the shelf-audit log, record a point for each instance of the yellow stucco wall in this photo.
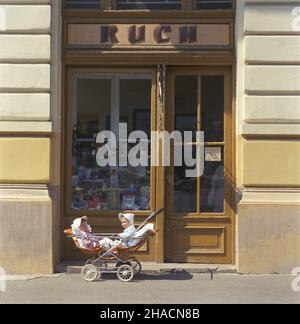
(268, 130)
(24, 160)
(29, 79)
(269, 237)
(271, 163)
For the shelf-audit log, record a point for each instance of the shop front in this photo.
(151, 71)
(70, 70)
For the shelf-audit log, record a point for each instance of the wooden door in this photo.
(199, 224)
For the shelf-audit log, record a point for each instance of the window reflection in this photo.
(186, 104)
(149, 4)
(135, 103)
(212, 181)
(214, 4)
(109, 188)
(185, 188)
(212, 108)
(185, 191)
(82, 4)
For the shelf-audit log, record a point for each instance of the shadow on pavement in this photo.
(178, 275)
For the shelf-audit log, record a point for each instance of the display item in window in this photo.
(128, 198)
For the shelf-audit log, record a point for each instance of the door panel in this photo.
(199, 210)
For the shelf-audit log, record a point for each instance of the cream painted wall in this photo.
(268, 124)
(26, 147)
(24, 160)
(269, 54)
(25, 46)
(25, 76)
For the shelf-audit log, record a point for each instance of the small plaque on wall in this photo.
(213, 154)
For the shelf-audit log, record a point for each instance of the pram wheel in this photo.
(125, 273)
(89, 272)
(136, 265)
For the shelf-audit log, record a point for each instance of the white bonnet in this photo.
(128, 216)
(76, 226)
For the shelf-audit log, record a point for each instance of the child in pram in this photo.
(127, 222)
(83, 231)
(118, 256)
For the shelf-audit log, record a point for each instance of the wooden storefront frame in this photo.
(86, 59)
(186, 6)
(110, 216)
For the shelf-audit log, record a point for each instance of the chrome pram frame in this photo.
(116, 259)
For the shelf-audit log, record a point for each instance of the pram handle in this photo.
(105, 234)
(152, 215)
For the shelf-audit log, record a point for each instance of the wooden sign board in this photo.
(148, 35)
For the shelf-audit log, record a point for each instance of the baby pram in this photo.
(115, 260)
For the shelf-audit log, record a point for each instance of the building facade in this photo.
(69, 69)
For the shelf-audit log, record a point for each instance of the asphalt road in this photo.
(180, 288)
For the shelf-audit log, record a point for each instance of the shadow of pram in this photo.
(176, 276)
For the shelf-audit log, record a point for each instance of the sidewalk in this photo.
(157, 284)
(156, 288)
(152, 267)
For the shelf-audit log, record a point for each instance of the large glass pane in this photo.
(185, 188)
(82, 4)
(212, 181)
(149, 4)
(214, 4)
(125, 186)
(186, 104)
(135, 110)
(212, 108)
(92, 111)
(185, 191)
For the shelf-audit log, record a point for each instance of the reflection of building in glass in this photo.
(216, 194)
(109, 188)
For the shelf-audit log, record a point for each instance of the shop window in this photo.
(214, 4)
(82, 4)
(212, 181)
(101, 103)
(186, 94)
(149, 4)
(199, 105)
(212, 123)
(212, 107)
